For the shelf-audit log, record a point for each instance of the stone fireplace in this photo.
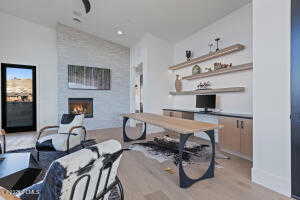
(81, 106)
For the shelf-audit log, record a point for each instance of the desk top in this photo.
(183, 126)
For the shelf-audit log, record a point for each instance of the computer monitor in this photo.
(206, 102)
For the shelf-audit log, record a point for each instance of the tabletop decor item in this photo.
(178, 84)
(196, 70)
(208, 69)
(218, 66)
(188, 55)
(217, 41)
(203, 85)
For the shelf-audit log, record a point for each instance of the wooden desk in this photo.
(185, 128)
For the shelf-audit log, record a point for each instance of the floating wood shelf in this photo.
(220, 71)
(222, 52)
(210, 91)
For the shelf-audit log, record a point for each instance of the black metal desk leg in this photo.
(184, 180)
(126, 138)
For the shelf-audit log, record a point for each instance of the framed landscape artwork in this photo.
(88, 78)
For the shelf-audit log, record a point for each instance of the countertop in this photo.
(237, 115)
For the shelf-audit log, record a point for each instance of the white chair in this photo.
(70, 133)
(88, 174)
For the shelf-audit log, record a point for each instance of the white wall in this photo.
(234, 28)
(23, 42)
(156, 55)
(271, 97)
(78, 48)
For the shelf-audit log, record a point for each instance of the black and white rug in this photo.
(166, 148)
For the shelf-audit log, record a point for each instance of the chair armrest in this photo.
(2, 134)
(70, 132)
(6, 195)
(45, 128)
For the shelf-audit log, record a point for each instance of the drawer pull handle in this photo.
(237, 123)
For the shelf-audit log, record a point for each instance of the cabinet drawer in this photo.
(167, 113)
(177, 114)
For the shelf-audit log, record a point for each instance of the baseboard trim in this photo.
(275, 183)
(237, 154)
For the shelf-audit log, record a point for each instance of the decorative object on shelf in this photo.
(196, 70)
(217, 41)
(188, 55)
(210, 47)
(203, 85)
(218, 66)
(210, 91)
(178, 84)
(208, 69)
(237, 68)
(224, 51)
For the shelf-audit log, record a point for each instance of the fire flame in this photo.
(78, 109)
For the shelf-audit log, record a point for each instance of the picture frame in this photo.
(89, 78)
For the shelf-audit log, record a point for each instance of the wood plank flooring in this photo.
(145, 179)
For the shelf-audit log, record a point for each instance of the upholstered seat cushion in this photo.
(69, 121)
(58, 142)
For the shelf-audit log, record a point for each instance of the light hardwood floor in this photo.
(145, 179)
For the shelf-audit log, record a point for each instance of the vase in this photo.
(178, 84)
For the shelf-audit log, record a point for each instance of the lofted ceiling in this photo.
(172, 20)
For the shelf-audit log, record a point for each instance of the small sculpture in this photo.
(188, 55)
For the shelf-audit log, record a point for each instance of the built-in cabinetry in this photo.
(236, 136)
(179, 114)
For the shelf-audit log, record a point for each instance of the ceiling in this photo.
(172, 20)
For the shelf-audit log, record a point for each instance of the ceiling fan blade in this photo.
(87, 5)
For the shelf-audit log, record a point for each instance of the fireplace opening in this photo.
(81, 106)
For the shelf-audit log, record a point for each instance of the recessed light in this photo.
(120, 32)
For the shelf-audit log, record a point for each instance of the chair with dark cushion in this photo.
(88, 174)
(70, 133)
(2, 141)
